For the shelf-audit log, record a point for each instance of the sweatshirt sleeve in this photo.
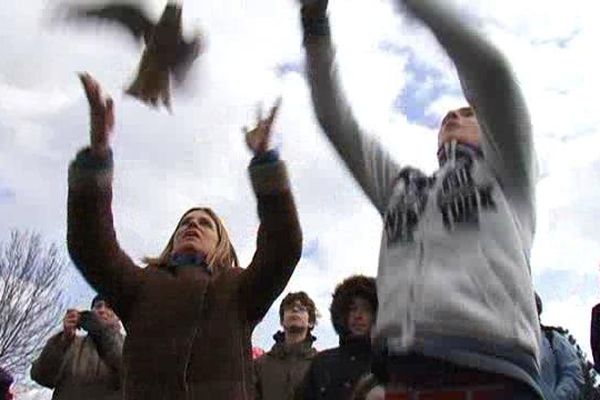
(371, 166)
(490, 87)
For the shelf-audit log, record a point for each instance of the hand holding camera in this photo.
(71, 323)
(85, 320)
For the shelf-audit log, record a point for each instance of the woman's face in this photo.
(196, 233)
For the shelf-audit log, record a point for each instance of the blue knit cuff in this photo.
(268, 157)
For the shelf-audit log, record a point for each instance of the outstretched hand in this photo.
(102, 117)
(259, 138)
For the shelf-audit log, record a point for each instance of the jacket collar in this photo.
(303, 349)
(453, 151)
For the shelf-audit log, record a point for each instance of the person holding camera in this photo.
(83, 366)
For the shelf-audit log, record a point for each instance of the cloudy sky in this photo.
(399, 82)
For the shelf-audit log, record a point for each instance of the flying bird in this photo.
(167, 53)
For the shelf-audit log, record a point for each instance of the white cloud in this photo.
(567, 314)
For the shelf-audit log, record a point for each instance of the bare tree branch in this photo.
(31, 297)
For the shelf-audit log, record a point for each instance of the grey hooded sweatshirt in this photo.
(454, 280)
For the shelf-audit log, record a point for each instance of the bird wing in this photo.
(133, 18)
(186, 54)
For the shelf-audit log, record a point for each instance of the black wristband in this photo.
(268, 157)
(86, 160)
(315, 25)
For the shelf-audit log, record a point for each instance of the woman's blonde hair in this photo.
(223, 256)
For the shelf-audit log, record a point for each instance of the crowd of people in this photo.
(89, 366)
(450, 315)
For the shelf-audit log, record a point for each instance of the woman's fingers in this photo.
(109, 115)
(84, 78)
(273, 114)
(102, 117)
(258, 138)
(259, 112)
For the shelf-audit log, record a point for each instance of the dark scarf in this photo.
(189, 259)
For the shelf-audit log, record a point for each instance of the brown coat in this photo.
(77, 369)
(280, 372)
(188, 332)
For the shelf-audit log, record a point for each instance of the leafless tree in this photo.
(31, 298)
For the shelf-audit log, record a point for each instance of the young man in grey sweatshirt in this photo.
(456, 305)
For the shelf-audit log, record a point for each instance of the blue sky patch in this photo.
(562, 285)
(311, 249)
(289, 67)
(425, 85)
(561, 42)
(6, 194)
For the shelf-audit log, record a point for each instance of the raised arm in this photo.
(369, 163)
(91, 237)
(279, 242)
(490, 87)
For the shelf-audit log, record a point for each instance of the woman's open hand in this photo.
(258, 139)
(102, 117)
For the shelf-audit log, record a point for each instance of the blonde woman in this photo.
(190, 313)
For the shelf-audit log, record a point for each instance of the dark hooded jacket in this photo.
(279, 372)
(334, 372)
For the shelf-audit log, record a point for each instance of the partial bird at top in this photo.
(167, 53)
(129, 16)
